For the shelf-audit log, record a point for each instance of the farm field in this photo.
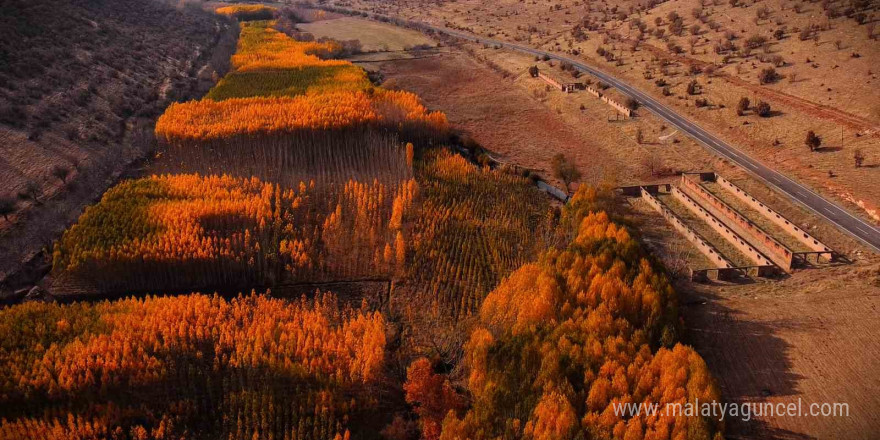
(373, 36)
(296, 172)
(778, 331)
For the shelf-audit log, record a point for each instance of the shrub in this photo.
(763, 109)
(768, 76)
(7, 206)
(858, 157)
(742, 106)
(813, 141)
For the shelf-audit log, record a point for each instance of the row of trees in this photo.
(473, 227)
(260, 48)
(248, 12)
(209, 120)
(154, 368)
(187, 232)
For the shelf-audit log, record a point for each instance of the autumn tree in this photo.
(529, 374)
(410, 154)
(432, 395)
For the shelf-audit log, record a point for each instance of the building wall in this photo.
(779, 253)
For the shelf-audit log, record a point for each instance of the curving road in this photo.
(843, 219)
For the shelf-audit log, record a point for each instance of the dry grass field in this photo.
(373, 36)
(825, 63)
(767, 341)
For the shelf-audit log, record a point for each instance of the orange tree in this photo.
(154, 367)
(562, 341)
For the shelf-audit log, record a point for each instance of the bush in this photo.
(742, 106)
(693, 87)
(7, 206)
(813, 141)
(858, 157)
(763, 109)
(631, 103)
(768, 76)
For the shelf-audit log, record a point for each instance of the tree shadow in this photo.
(746, 357)
(828, 149)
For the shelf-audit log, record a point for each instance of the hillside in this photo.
(81, 83)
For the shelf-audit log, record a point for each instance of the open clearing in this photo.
(374, 36)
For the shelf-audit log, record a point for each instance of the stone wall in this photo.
(735, 239)
(780, 254)
(784, 223)
(702, 245)
(550, 81)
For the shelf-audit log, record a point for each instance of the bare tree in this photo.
(565, 171)
(61, 173)
(31, 191)
(813, 141)
(742, 106)
(763, 109)
(7, 206)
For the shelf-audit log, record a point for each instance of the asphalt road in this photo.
(843, 219)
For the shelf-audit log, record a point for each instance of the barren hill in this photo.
(81, 82)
